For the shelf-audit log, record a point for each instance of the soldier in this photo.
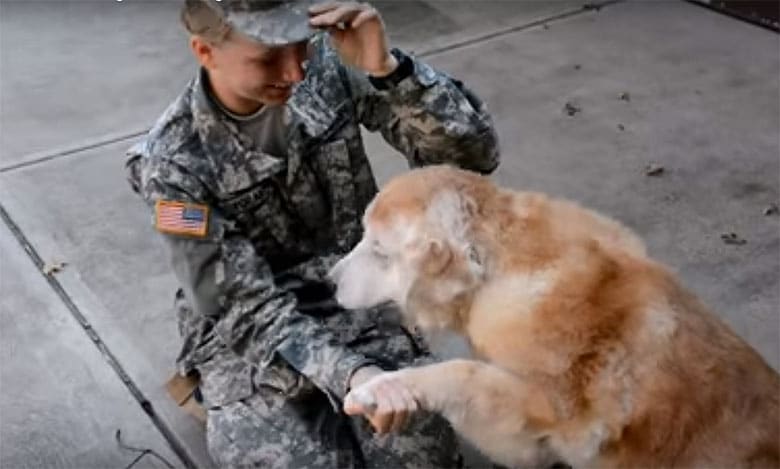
(257, 179)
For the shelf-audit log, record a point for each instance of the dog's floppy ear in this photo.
(453, 212)
(437, 257)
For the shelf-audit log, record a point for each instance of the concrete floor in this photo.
(702, 101)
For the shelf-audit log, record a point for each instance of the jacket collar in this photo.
(311, 119)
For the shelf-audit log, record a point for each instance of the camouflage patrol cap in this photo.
(272, 22)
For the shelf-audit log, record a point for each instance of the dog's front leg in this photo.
(499, 412)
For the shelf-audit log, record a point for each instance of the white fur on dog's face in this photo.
(388, 261)
(379, 269)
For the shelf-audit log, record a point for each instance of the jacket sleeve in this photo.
(428, 116)
(230, 283)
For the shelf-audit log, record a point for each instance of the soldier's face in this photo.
(257, 72)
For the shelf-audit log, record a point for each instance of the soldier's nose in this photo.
(293, 71)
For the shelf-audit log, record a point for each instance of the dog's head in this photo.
(419, 247)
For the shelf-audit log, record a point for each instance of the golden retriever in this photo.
(585, 350)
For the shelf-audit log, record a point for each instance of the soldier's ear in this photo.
(203, 51)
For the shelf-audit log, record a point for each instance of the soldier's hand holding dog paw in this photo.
(384, 400)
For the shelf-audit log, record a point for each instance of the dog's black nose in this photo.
(560, 465)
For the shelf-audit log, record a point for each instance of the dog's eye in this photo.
(381, 256)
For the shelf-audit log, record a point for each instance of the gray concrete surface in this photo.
(105, 69)
(61, 403)
(80, 210)
(79, 70)
(703, 103)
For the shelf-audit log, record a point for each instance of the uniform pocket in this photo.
(225, 379)
(259, 206)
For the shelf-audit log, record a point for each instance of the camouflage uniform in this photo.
(255, 311)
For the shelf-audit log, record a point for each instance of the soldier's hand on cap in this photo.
(383, 400)
(358, 33)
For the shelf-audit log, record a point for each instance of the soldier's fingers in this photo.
(378, 421)
(364, 16)
(351, 407)
(360, 401)
(341, 15)
(320, 8)
(410, 403)
(382, 419)
(398, 412)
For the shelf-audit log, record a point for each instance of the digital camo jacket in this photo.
(251, 235)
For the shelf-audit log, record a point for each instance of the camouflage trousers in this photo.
(270, 431)
(274, 429)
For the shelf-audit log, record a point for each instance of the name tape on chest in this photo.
(181, 218)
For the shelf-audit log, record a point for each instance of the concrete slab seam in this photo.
(93, 335)
(514, 29)
(45, 156)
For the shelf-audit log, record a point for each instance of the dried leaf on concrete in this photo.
(654, 169)
(571, 109)
(53, 267)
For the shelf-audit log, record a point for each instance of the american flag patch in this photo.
(181, 218)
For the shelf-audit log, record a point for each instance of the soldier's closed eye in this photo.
(265, 59)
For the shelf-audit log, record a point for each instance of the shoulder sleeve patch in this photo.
(181, 218)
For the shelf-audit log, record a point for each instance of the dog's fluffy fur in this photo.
(586, 350)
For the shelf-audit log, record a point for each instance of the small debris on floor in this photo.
(654, 169)
(53, 267)
(624, 96)
(577, 67)
(621, 127)
(571, 109)
(142, 452)
(591, 6)
(772, 209)
(546, 26)
(732, 238)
